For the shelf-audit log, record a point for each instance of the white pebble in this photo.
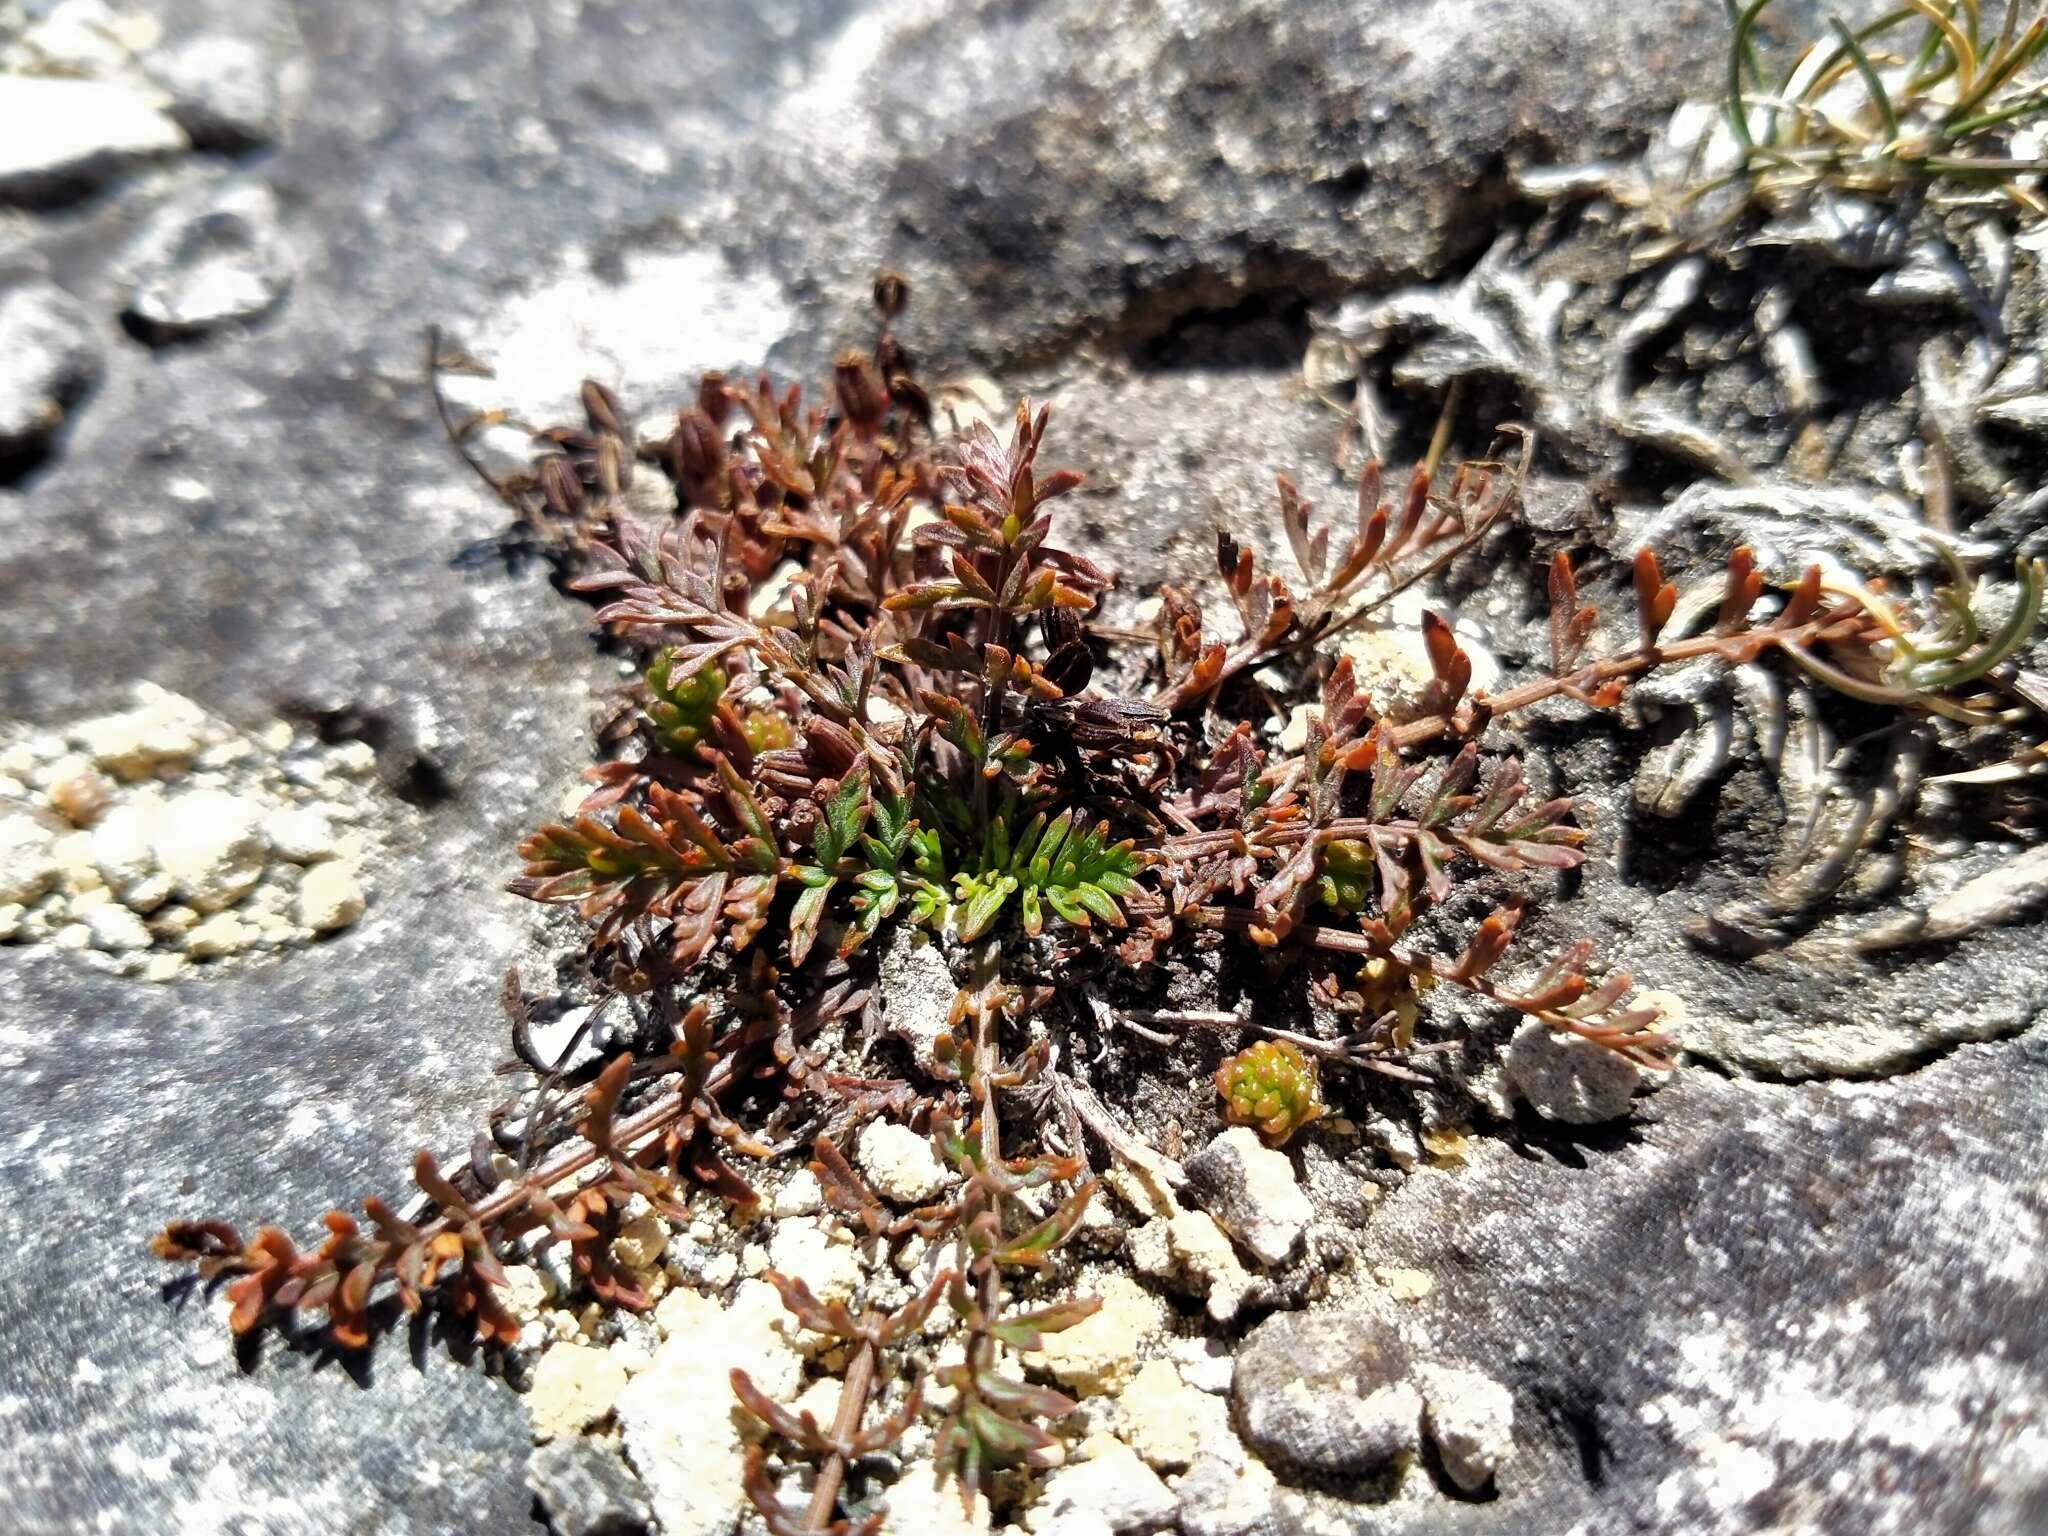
(28, 864)
(900, 1163)
(355, 758)
(164, 728)
(220, 935)
(165, 967)
(116, 929)
(209, 843)
(330, 897)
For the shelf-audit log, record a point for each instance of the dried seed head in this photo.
(613, 465)
(1272, 1086)
(601, 409)
(891, 294)
(560, 488)
(699, 452)
(861, 395)
(1387, 987)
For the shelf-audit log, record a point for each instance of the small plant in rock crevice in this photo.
(904, 736)
(1923, 100)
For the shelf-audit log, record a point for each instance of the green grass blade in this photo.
(1871, 80)
(1998, 75)
(1746, 47)
(1739, 46)
(2026, 107)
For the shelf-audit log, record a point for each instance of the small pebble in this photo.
(223, 90)
(49, 352)
(303, 834)
(82, 797)
(900, 1163)
(220, 935)
(357, 759)
(165, 967)
(209, 843)
(115, 929)
(330, 897)
(207, 260)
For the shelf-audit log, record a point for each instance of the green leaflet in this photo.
(1057, 864)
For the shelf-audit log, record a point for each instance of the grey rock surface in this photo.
(587, 1490)
(49, 356)
(204, 261)
(1761, 1297)
(223, 90)
(1125, 212)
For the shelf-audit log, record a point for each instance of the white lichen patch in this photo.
(159, 841)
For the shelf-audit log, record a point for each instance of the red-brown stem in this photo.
(513, 1197)
(1343, 941)
(1589, 677)
(853, 1407)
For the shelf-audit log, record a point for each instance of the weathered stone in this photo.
(923, 1502)
(219, 936)
(211, 845)
(800, 1195)
(1471, 1420)
(1563, 1077)
(329, 897)
(808, 1252)
(588, 1490)
(574, 1387)
(304, 834)
(1111, 1486)
(116, 929)
(1327, 1392)
(1101, 1352)
(1168, 1422)
(28, 859)
(917, 989)
(681, 1426)
(49, 358)
(1219, 1498)
(209, 260)
(223, 90)
(65, 136)
(1250, 1190)
(88, 39)
(1908, 1175)
(1189, 1247)
(900, 1163)
(80, 797)
(161, 730)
